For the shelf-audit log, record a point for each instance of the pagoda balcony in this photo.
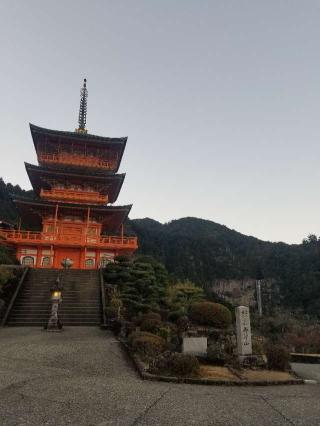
(73, 196)
(77, 160)
(41, 238)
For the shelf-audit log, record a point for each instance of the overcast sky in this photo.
(220, 101)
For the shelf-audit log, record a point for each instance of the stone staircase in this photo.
(80, 305)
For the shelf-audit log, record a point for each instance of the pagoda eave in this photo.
(38, 133)
(109, 216)
(110, 184)
(42, 137)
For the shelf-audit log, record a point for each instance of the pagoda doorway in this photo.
(70, 253)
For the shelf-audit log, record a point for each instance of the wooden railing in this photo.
(77, 160)
(30, 237)
(73, 195)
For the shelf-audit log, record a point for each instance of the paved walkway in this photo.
(81, 377)
(307, 371)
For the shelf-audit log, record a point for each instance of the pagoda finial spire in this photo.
(82, 120)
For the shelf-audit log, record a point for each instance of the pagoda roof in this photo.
(38, 132)
(40, 179)
(111, 217)
(40, 136)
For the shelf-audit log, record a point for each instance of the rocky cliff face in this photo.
(243, 291)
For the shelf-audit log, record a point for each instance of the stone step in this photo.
(64, 293)
(65, 298)
(74, 311)
(81, 305)
(43, 323)
(45, 318)
(48, 284)
(92, 304)
(81, 298)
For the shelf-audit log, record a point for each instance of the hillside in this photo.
(7, 209)
(202, 250)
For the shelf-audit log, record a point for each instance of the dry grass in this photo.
(223, 373)
(266, 375)
(218, 373)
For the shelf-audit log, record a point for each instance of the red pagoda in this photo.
(75, 183)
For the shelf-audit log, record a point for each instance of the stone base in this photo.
(252, 361)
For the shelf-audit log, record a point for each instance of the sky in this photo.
(220, 101)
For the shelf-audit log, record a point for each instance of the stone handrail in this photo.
(13, 298)
(103, 299)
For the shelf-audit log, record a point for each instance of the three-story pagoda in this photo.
(75, 183)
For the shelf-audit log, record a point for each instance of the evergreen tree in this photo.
(141, 283)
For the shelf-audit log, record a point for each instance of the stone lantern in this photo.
(54, 323)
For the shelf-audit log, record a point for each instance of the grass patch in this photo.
(216, 372)
(266, 375)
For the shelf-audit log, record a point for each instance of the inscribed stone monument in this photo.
(243, 331)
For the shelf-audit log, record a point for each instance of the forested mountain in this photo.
(201, 251)
(7, 209)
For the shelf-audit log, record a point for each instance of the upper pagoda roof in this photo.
(44, 139)
(110, 184)
(39, 132)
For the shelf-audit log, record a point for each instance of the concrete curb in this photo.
(305, 358)
(139, 366)
(310, 382)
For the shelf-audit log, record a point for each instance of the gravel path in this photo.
(81, 377)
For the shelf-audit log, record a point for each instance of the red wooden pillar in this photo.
(98, 254)
(39, 255)
(82, 258)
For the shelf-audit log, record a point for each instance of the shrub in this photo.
(175, 364)
(182, 295)
(278, 357)
(2, 307)
(150, 325)
(9, 279)
(175, 315)
(183, 324)
(164, 332)
(116, 326)
(7, 256)
(5, 276)
(216, 354)
(151, 316)
(307, 340)
(257, 347)
(209, 313)
(147, 345)
(122, 259)
(111, 312)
